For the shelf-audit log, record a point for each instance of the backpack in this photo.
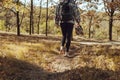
(66, 11)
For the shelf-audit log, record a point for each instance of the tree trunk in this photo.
(46, 17)
(18, 21)
(110, 27)
(39, 17)
(90, 26)
(31, 18)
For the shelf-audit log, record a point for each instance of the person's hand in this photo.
(77, 25)
(57, 24)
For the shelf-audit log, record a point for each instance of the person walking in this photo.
(66, 15)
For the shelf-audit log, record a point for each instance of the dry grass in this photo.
(37, 58)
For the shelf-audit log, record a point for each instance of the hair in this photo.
(72, 1)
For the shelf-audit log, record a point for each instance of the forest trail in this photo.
(54, 38)
(36, 55)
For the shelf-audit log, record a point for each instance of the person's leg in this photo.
(63, 30)
(69, 36)
(63, 40)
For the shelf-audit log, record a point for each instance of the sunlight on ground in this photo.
(106, 61)
(99, 62)
(16, 51)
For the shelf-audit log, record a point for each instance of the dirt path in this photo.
(100, 43)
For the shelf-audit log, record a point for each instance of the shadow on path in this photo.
(13, 69)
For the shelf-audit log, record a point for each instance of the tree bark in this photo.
(110, 9)
(18, 21)
(31, 19)
(46, 17)
(110, 27)
(90, 26)
(39, 17)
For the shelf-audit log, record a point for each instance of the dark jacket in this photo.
(76, 14)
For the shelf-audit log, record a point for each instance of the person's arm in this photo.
(76, 14)
(57, 15)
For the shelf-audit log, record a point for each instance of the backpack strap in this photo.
(68, 1)
(59, 11)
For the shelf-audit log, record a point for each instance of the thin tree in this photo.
(110, 8)
(31, 19)
(39, 17)
(18, 20)
(13, 6)
(91, 8)
(46, 18)
(91, 16)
